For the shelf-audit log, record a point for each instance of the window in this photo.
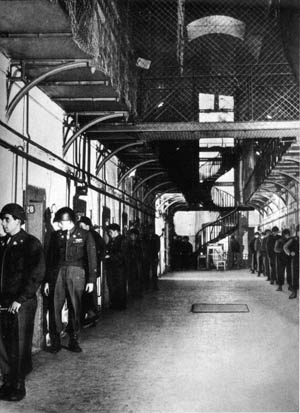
(215, 108)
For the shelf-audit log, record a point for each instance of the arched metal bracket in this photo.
(292, 160)
(284, 187)
(146, 180)
(293, 178)
(257, 207)
(171, 198)
(80, 131)
(176, 201)
(263, 200)
(182, 203)
(100, 165)
(127, 173)
(156, 187)
(22, 93)
(274, 193)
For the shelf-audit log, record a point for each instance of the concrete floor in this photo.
(159, 357)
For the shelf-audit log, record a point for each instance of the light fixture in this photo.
(161, 104)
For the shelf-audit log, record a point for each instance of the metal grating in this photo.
(219, 308)
(252, 68)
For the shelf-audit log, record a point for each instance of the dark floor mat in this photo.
(220, 308)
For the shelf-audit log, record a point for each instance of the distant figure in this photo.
(291, 249)
(175, 253)
(281, 257)
(115, 268)
(186, 253)
(154, 249)
(253, 264)
(234, 253)
(258, 254)
(134, 263)
(265, 256)
(271, 253)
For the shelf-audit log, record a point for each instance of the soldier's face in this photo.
(84, 226)
(11, 225)
(113, 233)
(65, 223)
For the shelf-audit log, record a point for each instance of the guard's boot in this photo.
(6, 387)
(73, 345)
(279, 288)
(293, 295)
(55, 346)
(17, 392)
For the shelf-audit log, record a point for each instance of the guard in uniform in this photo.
(291, 249)
(116, 268)
(71, 269)
(134, 263)
(271, 253)
(90, 300)
(281, 258)
(153, 250)
(22, 267)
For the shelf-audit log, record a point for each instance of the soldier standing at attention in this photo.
(116, 269)
(153, 248)
(22, 267)
(281, 258)
(271, 253)
(71, 269)
(291, 249)
(90, 300)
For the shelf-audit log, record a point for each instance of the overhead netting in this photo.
(100, 29)
(230, 48)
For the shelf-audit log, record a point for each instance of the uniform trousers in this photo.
(272, 261)
(295, 272)
(70, 285)
(16, 332)
(280, 269)
(266, 265)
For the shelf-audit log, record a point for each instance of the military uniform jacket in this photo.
(22, 266)
(116, 251)
(77, 250)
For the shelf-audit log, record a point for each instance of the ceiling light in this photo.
(161, 104)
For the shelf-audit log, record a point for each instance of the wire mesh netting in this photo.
(100, 28)
(229, 48)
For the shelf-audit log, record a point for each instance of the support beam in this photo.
(4, 35)
(83, 99)
(100, 165)
(146, 180)
(197, 130)
(127, 173)
(76, 83)
(26, 89)
(73, 138)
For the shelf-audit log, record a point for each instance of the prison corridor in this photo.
(159, 356)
